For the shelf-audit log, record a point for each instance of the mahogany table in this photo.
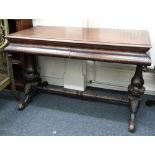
(106, 45)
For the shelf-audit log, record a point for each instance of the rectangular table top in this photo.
(84, 43)
(101, 36)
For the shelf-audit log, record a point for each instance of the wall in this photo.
(124, 14)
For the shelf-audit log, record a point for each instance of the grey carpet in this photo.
(58, 115)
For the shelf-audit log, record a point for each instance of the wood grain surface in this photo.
(98, 44)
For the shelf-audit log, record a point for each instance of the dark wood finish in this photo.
(90, 36)
(108, 45)
(87, 94)
(135, 89)
(116, 56)
(119, 46)
(32, 78)
(113, 39)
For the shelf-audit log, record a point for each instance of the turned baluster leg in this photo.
(32, 79)
(135, 90)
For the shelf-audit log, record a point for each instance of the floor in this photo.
(55, 115)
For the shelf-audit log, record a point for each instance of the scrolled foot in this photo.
(131, 127)
(25, 102)
(21, 106)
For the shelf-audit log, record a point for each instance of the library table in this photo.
(96, 44)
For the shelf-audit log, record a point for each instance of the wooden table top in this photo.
(98, 44)
(100, 36)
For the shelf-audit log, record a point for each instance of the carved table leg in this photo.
(32, 78)
(135, 89)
